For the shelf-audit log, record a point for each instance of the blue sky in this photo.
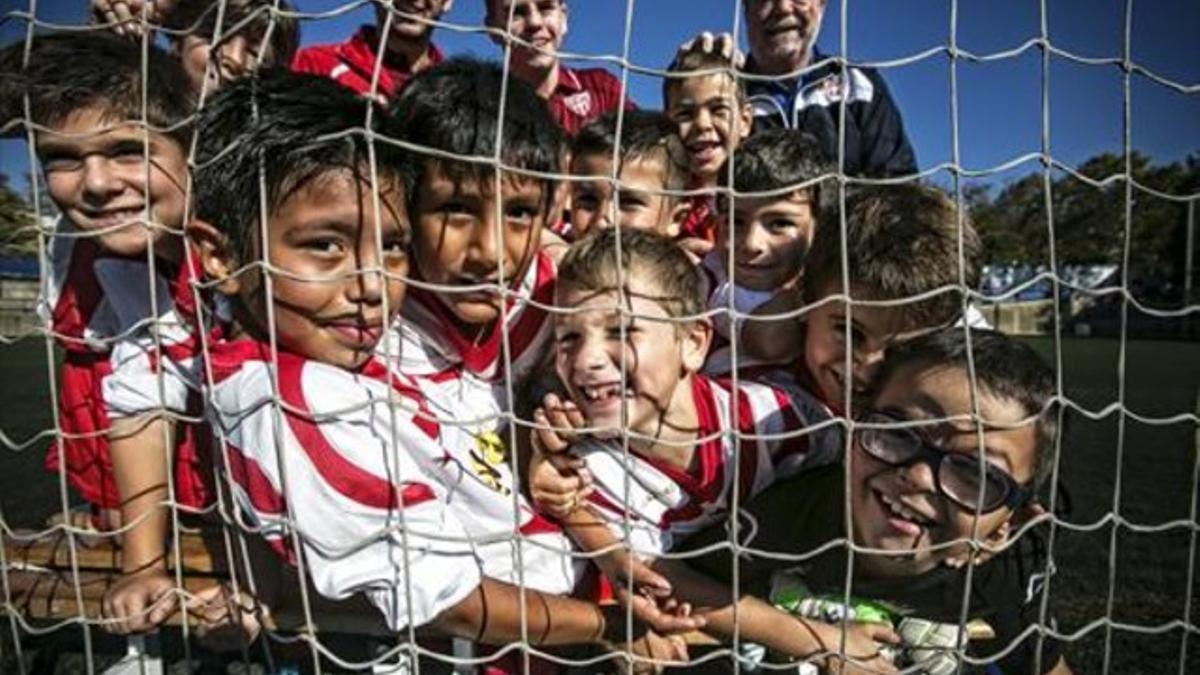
(999, 102)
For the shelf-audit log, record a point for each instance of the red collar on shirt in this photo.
(359, 53)
(479, 355)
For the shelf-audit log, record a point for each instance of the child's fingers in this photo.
(162, 609)
(574, 415)
(880, 632)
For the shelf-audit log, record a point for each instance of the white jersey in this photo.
(664, 503)
(341, 462)
(721, 293)
(432, 343)
(466, 387)
(103, 305)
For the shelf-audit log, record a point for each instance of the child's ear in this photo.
(694, 342)
(745, 121)
(993, 544)
(216, 258)
(679, 213)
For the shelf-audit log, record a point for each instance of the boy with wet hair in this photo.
(476, 326)
(651, 163)
(369, 465)
(902, 241)
(766, 238)
(112, 128)
(713, 117)
(922, 462)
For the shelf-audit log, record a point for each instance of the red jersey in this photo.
(103, 315)
(352, 64)
(583, 95)
(701, 219)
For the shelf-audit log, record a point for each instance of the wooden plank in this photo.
(201, 553)
(49, 595)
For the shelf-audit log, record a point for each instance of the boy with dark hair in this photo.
(118, 299)
(475, 326)
(782, 182)
(707, 103)
(651, 163)
(265, 37)
(405, 50)
(575, 96)
(370, 468)
(922, 463)
(902, 241)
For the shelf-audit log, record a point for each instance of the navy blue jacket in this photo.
(876, 145)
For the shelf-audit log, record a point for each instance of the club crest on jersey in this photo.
(580, 104)
(487, 455)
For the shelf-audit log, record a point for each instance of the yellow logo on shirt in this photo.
(486, 458)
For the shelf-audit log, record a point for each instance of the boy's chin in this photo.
(471, 313)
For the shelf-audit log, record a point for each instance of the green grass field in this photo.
(1156, 470)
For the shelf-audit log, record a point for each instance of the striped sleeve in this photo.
(339, 471)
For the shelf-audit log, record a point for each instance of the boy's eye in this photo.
(61, 163)
(521, 212)
(777, 224)
(128, 153)
(632, 200)
(323, 246)
(395, 248)
(455, 208)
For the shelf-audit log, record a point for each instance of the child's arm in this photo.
(142, 598)
(774, 340)
(753, 620)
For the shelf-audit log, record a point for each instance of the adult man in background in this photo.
(783, 36)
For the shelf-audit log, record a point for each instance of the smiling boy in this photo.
(118, 299)
(712, 117)
(651, 163)
(902, 242)
(406, 50)
(915, 466)
(779, 180)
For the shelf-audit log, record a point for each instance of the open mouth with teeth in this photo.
(903, 517)
(600, 394)
(704, 152)
(114, 217)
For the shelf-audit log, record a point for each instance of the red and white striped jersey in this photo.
(770, 437)
(340, 461)
(465, 385)
(106, 312)
(722, 296)
(109, 306)
(431, 343)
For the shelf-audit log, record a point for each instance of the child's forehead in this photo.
(699, 89)
(791, 201)
(592, 163)
(465, 178)
(98, 123)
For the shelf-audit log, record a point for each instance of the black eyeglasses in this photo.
(956, 475)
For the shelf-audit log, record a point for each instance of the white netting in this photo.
(1120, 605)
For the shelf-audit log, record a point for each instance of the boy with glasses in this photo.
(937, 467)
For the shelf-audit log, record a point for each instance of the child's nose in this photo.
(100, 180)
(483, 254)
